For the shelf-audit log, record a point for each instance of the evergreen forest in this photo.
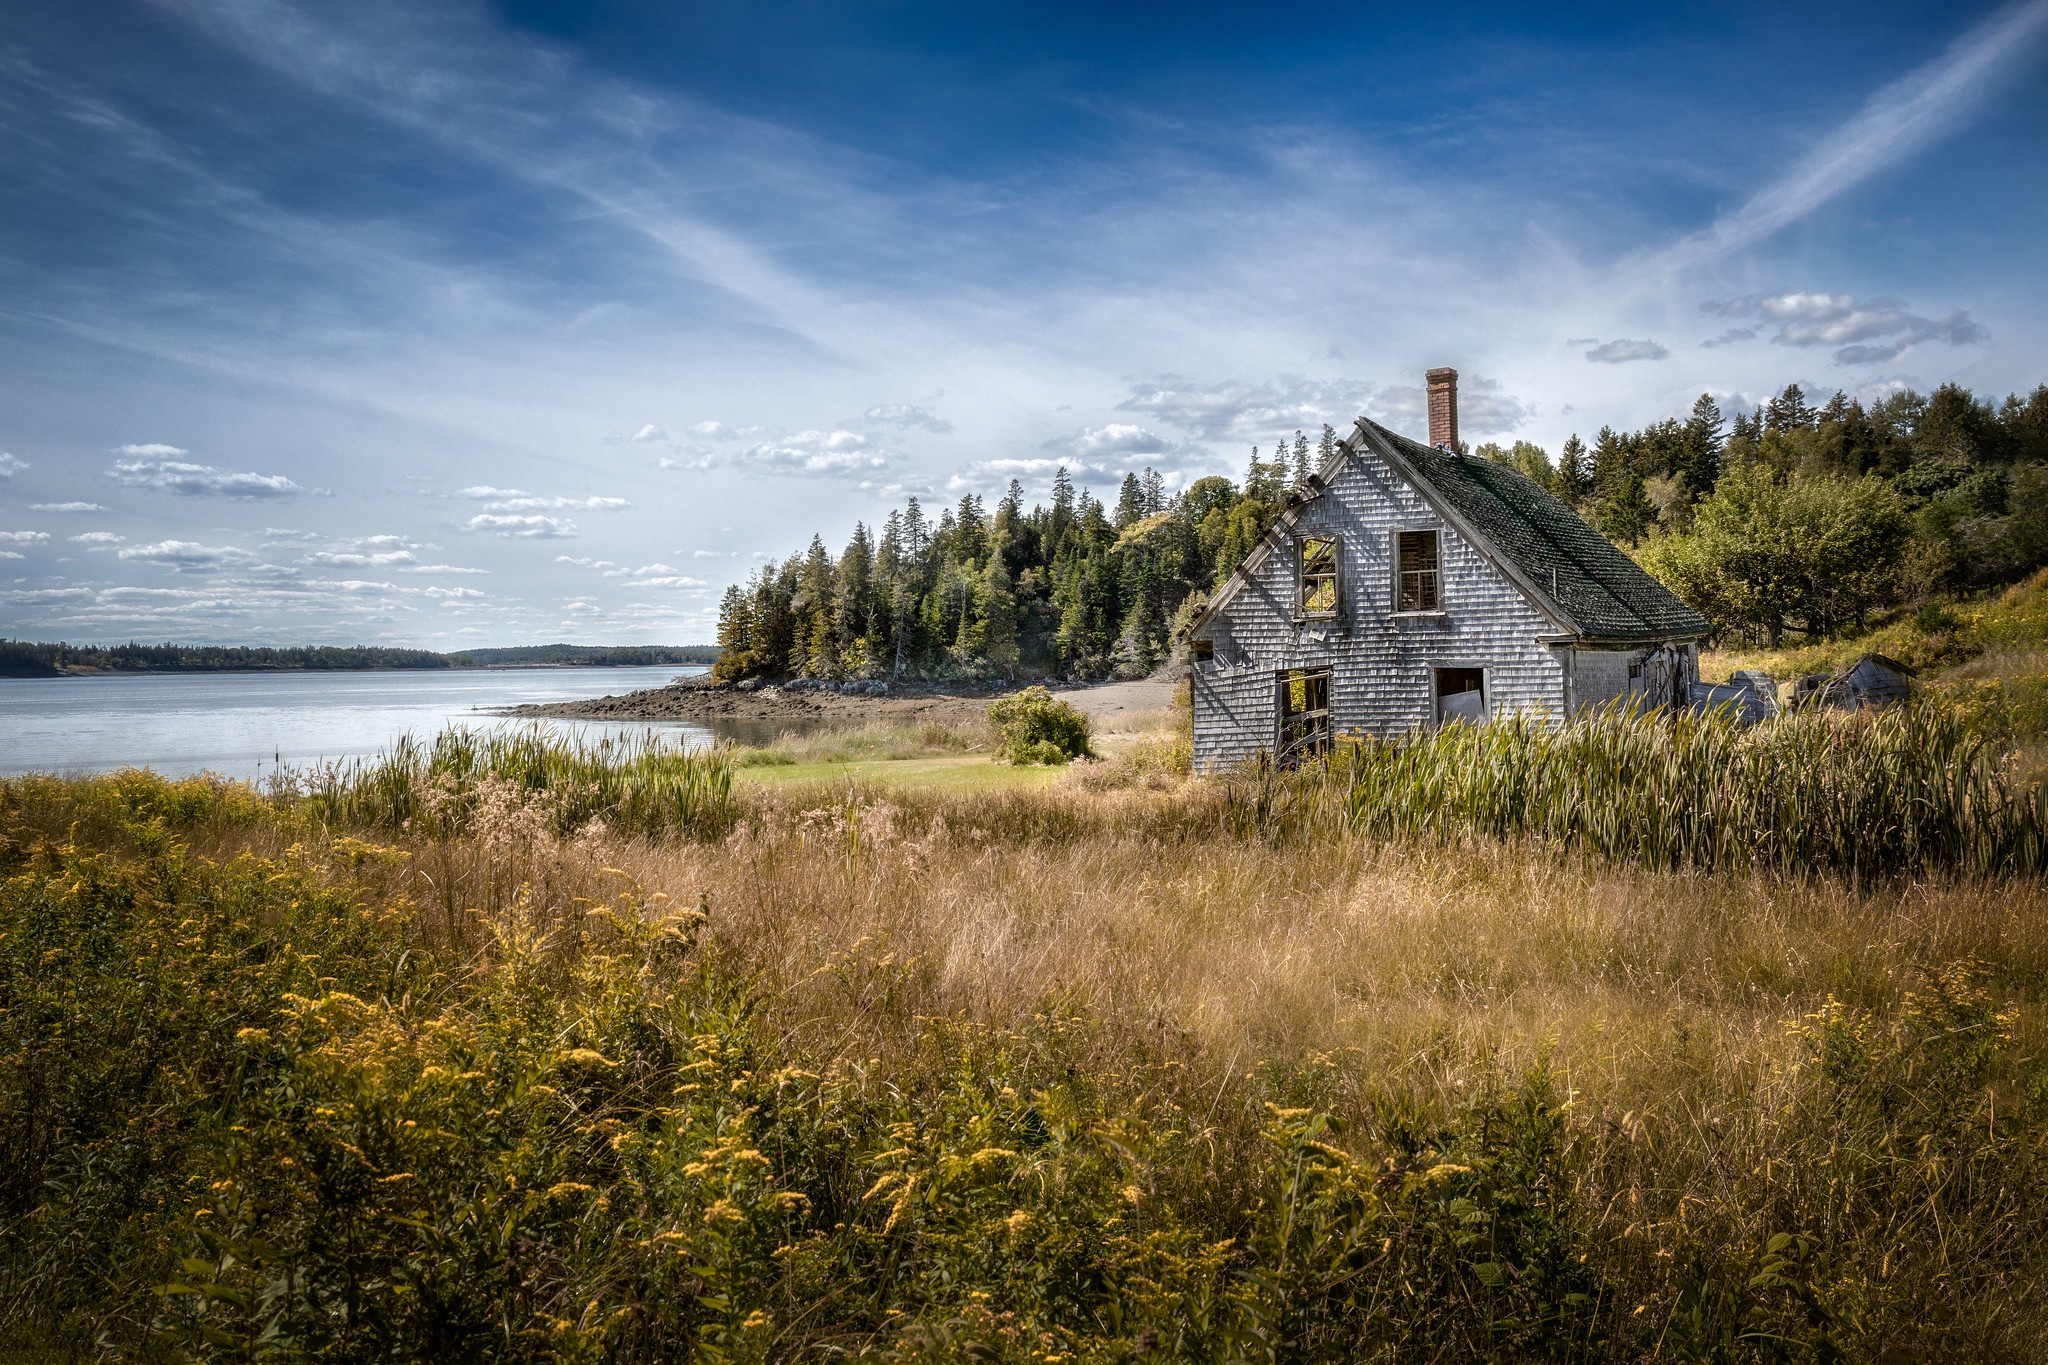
(1791, 518)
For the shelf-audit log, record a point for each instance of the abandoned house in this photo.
(1409, 585)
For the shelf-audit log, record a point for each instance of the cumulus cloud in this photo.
(816, 453)
(1621, 351)
(11, 554)
(159, 467)
(536, 504)
(65, 507)
(655, 575)
(532, 527)
(358, 559)
(98, 538)
(1258, 412)
(9, 465)
(904, 416)
(182, 555)
(1239, 410)
(24, 537)
(1864, 331)
(519, 500)
(1483, 408)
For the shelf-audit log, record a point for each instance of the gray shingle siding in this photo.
(1382, 661)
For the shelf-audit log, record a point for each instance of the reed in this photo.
(1866, 794)
(640, 784)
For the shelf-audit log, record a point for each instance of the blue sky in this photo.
(455, 324)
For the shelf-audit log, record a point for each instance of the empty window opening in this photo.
(1304, 713)
(1416, 556)
(1201, 651)
(1319, 575)
(1461, 696)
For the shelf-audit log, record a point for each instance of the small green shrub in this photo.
(1036, 727)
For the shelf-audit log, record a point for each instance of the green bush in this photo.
(1036, 727)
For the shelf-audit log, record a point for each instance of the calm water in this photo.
(238, 724)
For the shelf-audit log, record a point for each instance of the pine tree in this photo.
(1298, 475)
(1788, 411)
(1062, 513)
(1326, 449)
(999, 618)
(1130, 502)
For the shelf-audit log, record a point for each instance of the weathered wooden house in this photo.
(1410, 586)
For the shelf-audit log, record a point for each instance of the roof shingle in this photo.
(1601, 590)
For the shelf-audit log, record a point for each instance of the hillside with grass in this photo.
(1623, 1041)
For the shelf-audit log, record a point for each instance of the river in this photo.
(243, 724)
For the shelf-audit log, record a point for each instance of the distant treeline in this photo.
(1789, 518)
(29, 659)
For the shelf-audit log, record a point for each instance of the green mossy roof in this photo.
(1601, 590)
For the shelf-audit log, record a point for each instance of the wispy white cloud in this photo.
(529, 527)
(65, 507)
(152, 466)
(187, 555)
(1902, 118)
(98, 538)
(813, 453)
(904, 416)
(10, 465)
(24, 537)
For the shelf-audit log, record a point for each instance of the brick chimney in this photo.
(1443, 408)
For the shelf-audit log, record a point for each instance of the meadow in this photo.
(511, 1050)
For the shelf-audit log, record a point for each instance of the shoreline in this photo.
(1106, 704)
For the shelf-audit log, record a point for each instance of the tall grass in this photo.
(944, 1078)
(639, 784)
(1874, 793)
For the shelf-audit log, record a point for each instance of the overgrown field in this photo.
(518, 1054)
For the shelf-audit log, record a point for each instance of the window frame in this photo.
(1334, 577)
(1437, 693)
(1435, 574)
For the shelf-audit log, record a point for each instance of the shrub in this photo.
(1036, 727)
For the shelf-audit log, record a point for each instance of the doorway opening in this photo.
(1304, 714)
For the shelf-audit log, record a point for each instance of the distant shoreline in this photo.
(32, 659)
(380, 668)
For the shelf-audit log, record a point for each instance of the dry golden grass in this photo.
(1436, 965)
(1685, 1019)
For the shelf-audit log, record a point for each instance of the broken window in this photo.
(1318, 576)
(1415, 555)
(1461, 696)
(1201, 651)
(1304, 713)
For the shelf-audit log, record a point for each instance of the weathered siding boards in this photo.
(1382, 662)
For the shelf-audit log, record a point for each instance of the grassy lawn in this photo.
(948, 772)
